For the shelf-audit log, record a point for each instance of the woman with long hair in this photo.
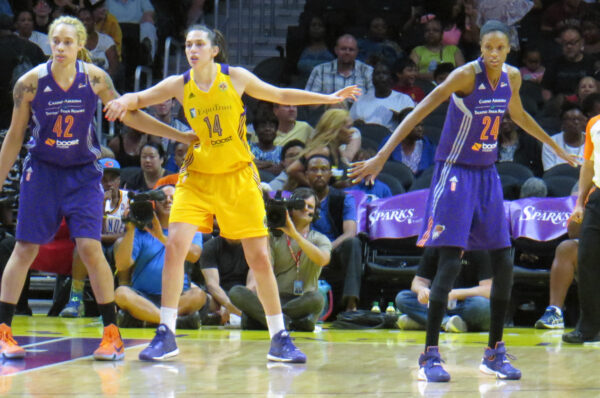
(58, 99)
(218, 177)
(332, 132)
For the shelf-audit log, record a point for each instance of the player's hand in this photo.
(423, 296)
(367, 169)
(573, 160)
(577, 215)
(190, 138)
(352, 92)
(117, 108)
(156, 230)
(289, 229)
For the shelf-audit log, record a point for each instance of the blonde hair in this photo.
(80, 31)
(327, 131)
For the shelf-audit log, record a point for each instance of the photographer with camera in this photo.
(298, 254)
(143, 247)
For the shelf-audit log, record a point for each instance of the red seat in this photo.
(56, 256)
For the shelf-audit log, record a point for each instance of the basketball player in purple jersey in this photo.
(61, 174)
(465, 205)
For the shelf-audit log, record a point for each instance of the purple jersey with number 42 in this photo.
(470, 133)
(62, 120)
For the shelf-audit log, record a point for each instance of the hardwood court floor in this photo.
(231, 363)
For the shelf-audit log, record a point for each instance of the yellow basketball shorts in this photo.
(234, 198)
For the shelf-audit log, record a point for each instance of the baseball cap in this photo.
(110, 164)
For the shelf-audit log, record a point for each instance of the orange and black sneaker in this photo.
(111, 347)
(8, 346)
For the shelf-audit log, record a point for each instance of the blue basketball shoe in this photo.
(430, 366)
(74, 308)
(552, 319)
(283, 350)
(161, 347)
(495, 362)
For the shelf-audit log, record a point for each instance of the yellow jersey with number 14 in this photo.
(218, 118)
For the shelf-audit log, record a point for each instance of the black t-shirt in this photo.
(228, 259)
(562, 76)
(475, 267)
(14, 49)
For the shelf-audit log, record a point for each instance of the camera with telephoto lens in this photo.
(141, 211)
(276, 211)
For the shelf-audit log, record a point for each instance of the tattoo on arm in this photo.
(18, 92)
(95, 80)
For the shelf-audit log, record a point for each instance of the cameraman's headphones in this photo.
(303, 193)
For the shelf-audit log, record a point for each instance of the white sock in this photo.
(168, 316)
(275, 324)
(557, 309)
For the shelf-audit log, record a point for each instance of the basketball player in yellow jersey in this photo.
(218, 177)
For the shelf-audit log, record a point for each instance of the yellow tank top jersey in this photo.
(218, 118)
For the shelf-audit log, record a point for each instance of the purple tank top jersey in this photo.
(62, 120)
(470, 134)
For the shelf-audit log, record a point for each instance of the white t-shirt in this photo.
(41, 40)
(377, 110)
(99, 53)
(550, 159)
(113, 212)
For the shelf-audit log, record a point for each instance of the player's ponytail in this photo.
(84, 55)
(222, 44)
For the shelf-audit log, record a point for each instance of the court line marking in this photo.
(67, 361)
(46, 342)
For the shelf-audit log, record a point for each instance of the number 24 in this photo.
(487, 121)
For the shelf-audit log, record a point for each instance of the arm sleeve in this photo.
(349, 208)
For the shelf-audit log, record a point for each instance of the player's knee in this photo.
(90, 252)
(121, 296)
(25, 253)
(259, 261)
(567, 249)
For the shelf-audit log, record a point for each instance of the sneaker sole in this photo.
(161, 358)
(111, 357)
(286, 360)
(484, 369)
(421, 376)
(541, 325)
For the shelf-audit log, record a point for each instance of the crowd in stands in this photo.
(396, 55)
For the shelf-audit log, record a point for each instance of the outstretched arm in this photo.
(246, 82)
(123, 108)
(527, 123)
(460, 80)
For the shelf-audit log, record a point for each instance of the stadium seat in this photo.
(369, 143)
(401, 172)
(516, 170)
(423, 181)
(559, 185)
(392, 182)
(563, 169)
(374, 131)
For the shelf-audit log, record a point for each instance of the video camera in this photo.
(276, 210)
(141, 211)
